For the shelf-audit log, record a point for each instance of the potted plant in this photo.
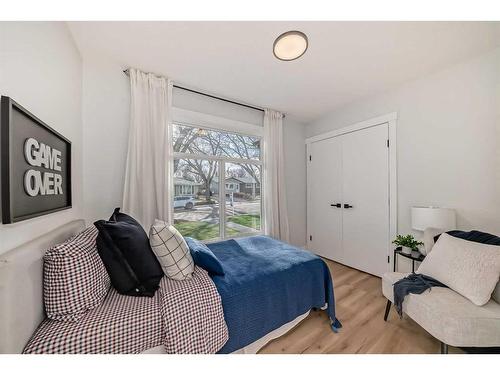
(408, 243)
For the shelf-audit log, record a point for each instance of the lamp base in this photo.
(429, 234)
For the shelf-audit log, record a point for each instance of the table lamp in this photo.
(432, 221)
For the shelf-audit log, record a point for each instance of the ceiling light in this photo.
(290, 45)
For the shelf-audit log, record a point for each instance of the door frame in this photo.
(391, 120)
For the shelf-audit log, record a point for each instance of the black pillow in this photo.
(124, 248)
(475, 236)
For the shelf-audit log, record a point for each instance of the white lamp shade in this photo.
(433, 217)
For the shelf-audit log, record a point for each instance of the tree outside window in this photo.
(202, 157)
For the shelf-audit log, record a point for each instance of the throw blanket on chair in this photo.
(415, 284)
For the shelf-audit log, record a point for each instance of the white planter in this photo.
(406, 250)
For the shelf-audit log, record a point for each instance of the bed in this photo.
(268, 288)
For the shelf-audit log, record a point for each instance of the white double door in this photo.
(348, 199)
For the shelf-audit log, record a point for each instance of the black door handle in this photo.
(347, 205)
(338, 205)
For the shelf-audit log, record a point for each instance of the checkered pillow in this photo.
(74, 277)
(171, 250)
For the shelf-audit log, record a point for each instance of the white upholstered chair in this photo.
(448, 316)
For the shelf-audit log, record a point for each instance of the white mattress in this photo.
(255, 346)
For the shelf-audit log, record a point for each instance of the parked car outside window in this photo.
(184, 202)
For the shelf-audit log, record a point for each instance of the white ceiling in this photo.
(345, 60)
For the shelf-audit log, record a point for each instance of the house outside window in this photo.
(223, 172)
(185, 187)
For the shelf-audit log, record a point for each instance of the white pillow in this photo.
(469, 268)
(171, 250)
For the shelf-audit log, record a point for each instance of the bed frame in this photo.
(21, 293)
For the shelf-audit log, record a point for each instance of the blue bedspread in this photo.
(268, 283)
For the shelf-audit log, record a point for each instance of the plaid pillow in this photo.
(74, 277)
(171, 250)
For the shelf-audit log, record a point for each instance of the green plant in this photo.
(408, 241)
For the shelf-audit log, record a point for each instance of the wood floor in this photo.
(360, 307)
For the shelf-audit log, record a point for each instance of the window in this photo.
(217, 165)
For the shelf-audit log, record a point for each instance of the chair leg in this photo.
(387, 309)
(444, 348)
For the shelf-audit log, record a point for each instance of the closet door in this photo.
(325, 190)
(365, 187)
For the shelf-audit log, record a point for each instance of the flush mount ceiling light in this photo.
(290, 45)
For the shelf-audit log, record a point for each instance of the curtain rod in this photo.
(214, 97)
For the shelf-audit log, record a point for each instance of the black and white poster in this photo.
(35, 165)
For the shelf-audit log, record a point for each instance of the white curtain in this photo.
(147, 189)
(276, 213)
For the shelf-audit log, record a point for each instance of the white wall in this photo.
(106, 100)
(295, 176)
(448, 136)
(40, 68)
